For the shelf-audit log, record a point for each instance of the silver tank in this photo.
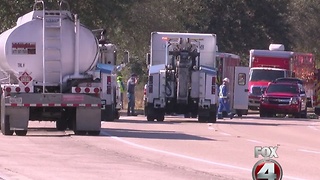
(21, 48)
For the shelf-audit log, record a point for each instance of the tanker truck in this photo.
(182, 76)
(54, 71)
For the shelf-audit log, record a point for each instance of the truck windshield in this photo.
(265, 75)
(282, 88)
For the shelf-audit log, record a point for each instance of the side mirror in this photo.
(148, 57)
(126, 57)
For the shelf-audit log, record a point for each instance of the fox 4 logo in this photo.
(266, 168)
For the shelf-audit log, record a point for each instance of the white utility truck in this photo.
(182, 76)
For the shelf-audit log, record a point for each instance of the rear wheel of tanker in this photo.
(21, 132)
(80, 133)
(5, 129)
(61, 124)
(94, 133)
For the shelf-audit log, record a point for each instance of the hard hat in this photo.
(226, 80)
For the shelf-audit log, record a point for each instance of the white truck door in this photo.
(241, 88)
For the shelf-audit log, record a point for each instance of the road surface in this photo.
(177, 149)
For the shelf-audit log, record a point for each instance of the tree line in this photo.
(240, 25)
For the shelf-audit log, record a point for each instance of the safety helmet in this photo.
(226, 80)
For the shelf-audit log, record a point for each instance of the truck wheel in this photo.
(21, 132)
(187, 115)
(160, 118)
(239, 113)
(94, 133)
(202, 119)
(5, 129)
(61, 124)
(194, 115)
(150, 118)
(262, 113)
(212, 117)
(80, 133)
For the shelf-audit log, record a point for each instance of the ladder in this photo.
(51, 40)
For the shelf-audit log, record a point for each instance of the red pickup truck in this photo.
(284, 98)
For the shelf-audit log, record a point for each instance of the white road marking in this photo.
(254, 141)
(186, 157)
(309, 151)
(226, 134)
(314, 128)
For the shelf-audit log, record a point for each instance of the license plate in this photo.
(17, 100)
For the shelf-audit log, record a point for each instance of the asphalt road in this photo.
(178, 148)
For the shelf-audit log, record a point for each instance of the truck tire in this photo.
(21, 132)
(239, 113)
(187, 115)
(94, 133)
(150, 118)
(160, 117)
(5, 129)
(61, 124)
(262, 113)
(202, 119)
(212, 117)
(80, 133)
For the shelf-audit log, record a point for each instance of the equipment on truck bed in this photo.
(182, 76)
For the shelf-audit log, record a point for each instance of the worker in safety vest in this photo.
(121, 88)
(224, 99)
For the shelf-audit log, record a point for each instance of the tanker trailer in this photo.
(46, 56)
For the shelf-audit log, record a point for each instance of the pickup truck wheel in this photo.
(262, 113)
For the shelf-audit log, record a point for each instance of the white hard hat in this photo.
(226, 80)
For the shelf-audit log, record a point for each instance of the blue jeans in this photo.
(131, 103)
(223, 105)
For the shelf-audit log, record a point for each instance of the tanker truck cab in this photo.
(182, 77)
